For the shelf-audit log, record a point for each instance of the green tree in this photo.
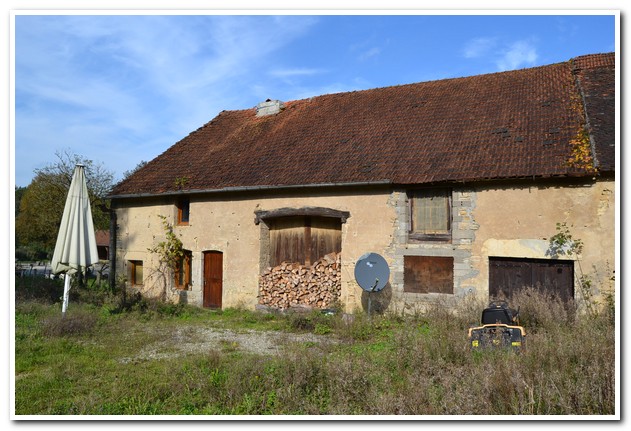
(19, 192)
(139, 166)
(42, 203)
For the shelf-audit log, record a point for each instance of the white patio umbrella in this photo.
(76, 244)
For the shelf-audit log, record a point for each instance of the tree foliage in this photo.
(19, 192)
(139, 166)
(42, 203)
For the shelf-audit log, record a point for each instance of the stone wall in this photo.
(226, 223)
(463, 229)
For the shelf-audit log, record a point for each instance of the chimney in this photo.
(269, 107)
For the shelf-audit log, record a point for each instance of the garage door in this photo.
(508, 275)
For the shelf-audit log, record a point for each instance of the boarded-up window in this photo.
(430, 214)
(428, 274)
(508, 275)
(303, 239)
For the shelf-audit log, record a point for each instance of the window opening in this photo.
(430, 215)
(183, 211)
(183, 271)
(136, 272)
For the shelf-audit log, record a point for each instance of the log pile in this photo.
(294, 285)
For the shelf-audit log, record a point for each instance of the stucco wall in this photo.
(518, 222)
(488, 221)
(508, 221)
(228, 226)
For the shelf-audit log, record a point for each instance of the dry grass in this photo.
(385, 365)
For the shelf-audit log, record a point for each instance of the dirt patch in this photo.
(189, 340)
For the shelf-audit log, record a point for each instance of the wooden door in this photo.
(508, 275)
(304, 239)
(213, 278)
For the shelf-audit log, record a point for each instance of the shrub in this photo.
(38, 289)
(538, 309)
(321, 329)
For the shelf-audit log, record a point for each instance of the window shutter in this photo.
(431, 212)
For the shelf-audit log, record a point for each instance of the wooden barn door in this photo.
(213, 278)
(509, 275)
(304, 239)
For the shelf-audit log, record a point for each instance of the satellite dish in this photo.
(372, 272)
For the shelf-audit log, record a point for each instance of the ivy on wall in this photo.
(581, 156)
(171, 250)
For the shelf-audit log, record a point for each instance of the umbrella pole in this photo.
(64, 305)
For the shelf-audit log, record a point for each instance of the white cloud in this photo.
(285, 73)
(518, 55)
(113, 85)
(369, 53)
(479, 47)
(515, 55)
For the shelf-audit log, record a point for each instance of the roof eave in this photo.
(250, 189)
(238, 189)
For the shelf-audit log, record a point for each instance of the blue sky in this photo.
(119, 89)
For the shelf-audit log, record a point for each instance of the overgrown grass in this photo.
(383, 365)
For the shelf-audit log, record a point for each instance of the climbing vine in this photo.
(171, 250)
(564, 244)
(581, 153)
(581, 156)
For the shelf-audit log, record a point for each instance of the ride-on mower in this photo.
(500, 328)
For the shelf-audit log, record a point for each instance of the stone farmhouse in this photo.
(458, 183)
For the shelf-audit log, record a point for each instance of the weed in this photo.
(321, 329)
(44, 290)
(70, 325)
(383, 365)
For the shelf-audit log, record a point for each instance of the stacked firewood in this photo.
(292, 284)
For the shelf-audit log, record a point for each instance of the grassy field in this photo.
(387, 365)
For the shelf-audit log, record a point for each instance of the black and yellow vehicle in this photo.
(499, 329)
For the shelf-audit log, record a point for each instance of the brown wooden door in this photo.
(213, 278)
(508, 275)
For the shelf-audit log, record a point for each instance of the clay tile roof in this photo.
(595, 75)
(592, 61)
(512, 124)
(102, 237)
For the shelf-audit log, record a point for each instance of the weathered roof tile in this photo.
(501, 125)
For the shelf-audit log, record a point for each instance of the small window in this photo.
(183, 211)
(183, 271)
(430, 215)
(428, 274)
(136, 272)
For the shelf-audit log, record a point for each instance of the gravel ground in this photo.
(188, 340)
